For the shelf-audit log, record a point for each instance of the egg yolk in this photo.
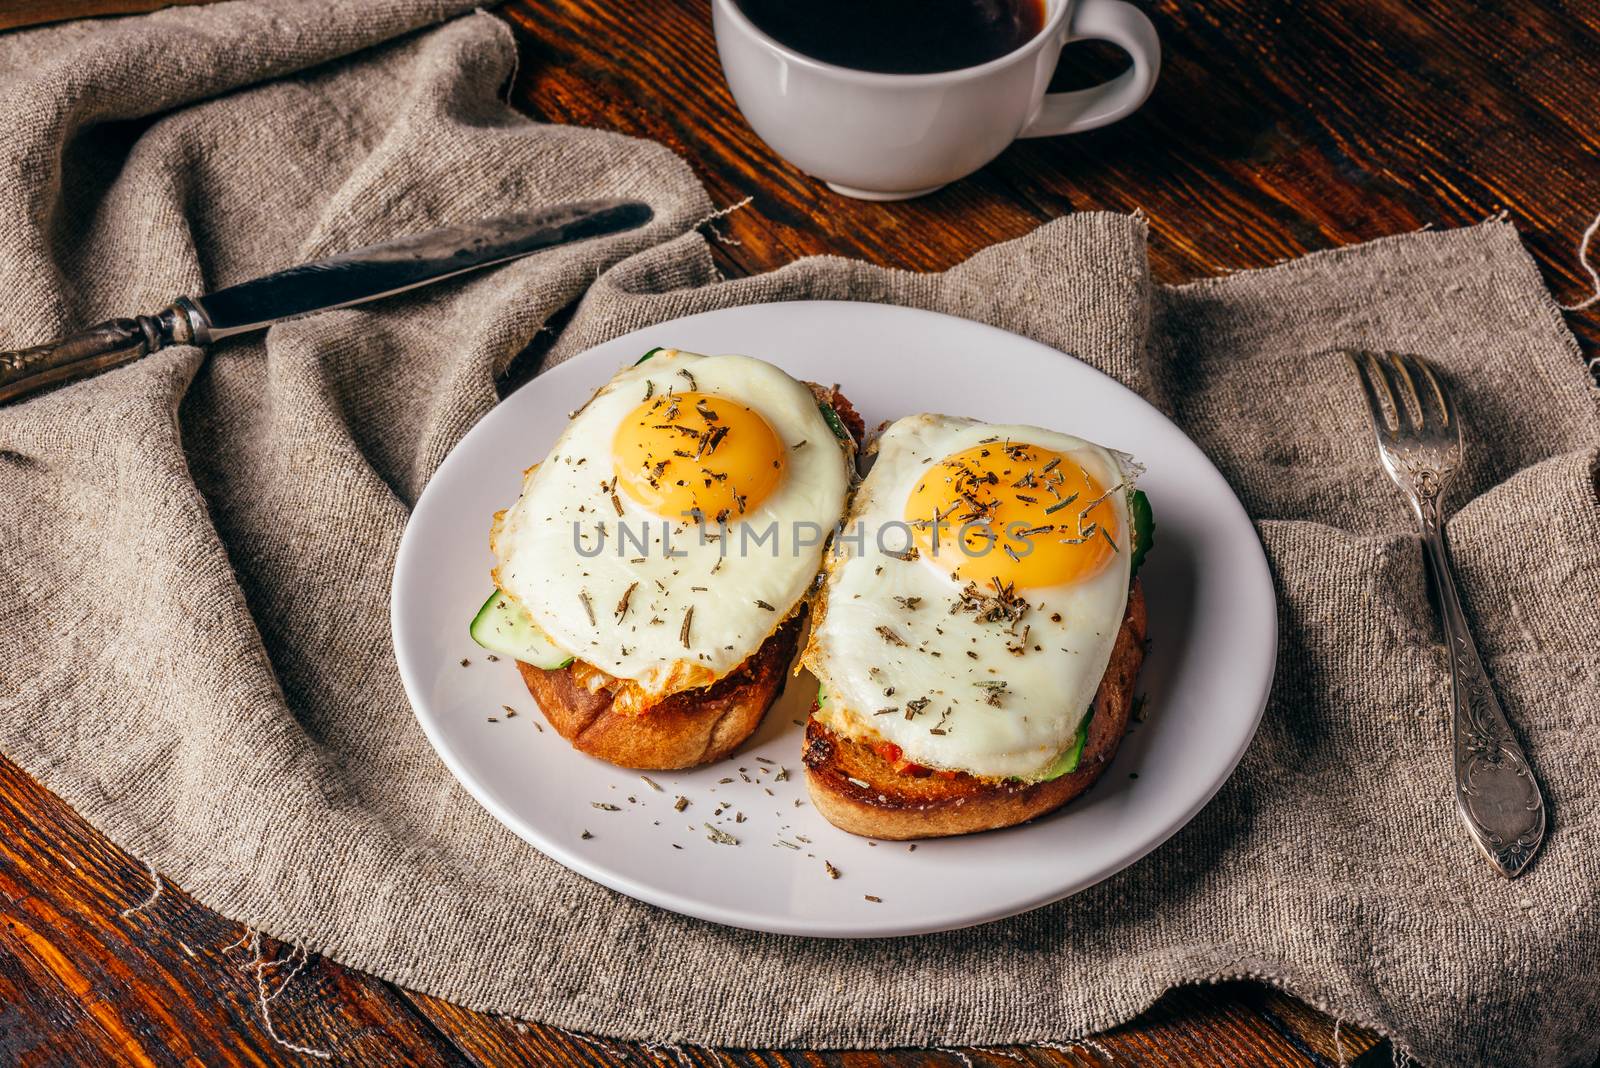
(692, 456)
(1017, 513)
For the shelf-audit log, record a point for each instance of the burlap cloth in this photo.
(195, 558)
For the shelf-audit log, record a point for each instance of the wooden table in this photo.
(1278, 128)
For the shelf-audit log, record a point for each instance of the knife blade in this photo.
(339, 281)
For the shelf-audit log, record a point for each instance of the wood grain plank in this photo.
(1278, 129)
(1224, 1024)
(171, 983)
(17, 13)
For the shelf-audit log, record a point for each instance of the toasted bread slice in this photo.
(691, 727)
(893, 805)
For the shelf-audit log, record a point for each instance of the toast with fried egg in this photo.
(980, 673)
(695, 650)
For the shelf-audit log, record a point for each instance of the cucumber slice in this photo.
(1067, 762)
(502, 626)
(835, 424)
(1144, 528)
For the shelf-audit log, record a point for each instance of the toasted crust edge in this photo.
(687, 729)
(897, 807)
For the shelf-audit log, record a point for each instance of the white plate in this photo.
(1213, 631)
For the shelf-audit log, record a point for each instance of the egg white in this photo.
(722, 579)
(1049, 686)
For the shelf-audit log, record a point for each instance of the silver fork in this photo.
(1419, 441)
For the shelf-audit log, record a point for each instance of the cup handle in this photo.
(1086, 109)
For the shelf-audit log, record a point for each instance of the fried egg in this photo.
(679, 519)
(976, 593)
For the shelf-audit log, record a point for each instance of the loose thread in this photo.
(599, 1044)
(516, 68)
(722, 213)
(989, 1051)
(259, 965)
(1097, 1048)
(1338, 1044)
(1593, 271)
(155, 892)
(299, 956)
(678, 1053)
(655, 1048)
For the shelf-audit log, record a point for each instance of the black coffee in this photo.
(899, 36)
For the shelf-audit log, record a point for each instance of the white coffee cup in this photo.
(892, 136)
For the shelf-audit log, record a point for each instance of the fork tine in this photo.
(1371, 379)
(1401, 383)
(1432, 388)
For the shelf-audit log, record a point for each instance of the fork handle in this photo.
(1496, 793)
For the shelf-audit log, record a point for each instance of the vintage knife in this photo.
(336, 282)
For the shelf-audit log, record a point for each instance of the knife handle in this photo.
(92, 350)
